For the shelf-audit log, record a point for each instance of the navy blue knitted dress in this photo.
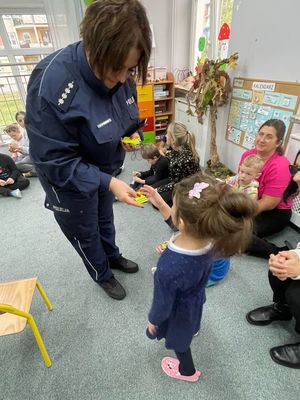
(179, 294)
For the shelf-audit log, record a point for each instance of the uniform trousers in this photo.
(89, 226)
(287, 293)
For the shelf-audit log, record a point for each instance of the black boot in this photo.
(266, 315)
(113, 288)
(121, 263)
(287, 355)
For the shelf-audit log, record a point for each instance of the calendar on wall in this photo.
(255, 101)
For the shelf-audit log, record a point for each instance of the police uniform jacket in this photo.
(75, 123)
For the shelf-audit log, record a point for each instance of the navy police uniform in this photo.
(75, 123)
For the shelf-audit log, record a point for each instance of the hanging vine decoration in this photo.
(210, 90)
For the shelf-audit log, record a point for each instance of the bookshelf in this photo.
(156, 102)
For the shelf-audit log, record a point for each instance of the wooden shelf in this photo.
(164, 113)
(164, 98)
(147, 95)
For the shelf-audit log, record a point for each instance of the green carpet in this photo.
(98, 345)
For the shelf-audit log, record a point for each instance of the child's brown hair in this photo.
(149, 151)
(221, 214)
(11, 128)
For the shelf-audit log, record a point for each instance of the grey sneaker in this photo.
(16, 193)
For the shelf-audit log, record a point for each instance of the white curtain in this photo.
(64, 17)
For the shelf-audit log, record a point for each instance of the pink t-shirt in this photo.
(275, 177)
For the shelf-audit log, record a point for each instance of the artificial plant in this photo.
(210, 90)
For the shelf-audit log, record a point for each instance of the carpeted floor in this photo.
(98, 345)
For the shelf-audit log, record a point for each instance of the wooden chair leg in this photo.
(44, 296)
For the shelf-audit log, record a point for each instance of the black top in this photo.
(157, 172)
(8, 168)
(182, 164)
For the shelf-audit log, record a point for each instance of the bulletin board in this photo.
(255, 101)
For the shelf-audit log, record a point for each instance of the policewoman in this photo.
(80, 102)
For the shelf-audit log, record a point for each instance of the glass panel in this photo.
(226, 17)
(27, 31)
(30, 60)
(202, 30)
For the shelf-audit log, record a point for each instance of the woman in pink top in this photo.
(273, 212)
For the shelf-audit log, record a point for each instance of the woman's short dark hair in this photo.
(279, 127)
(292, 187)
(110, 28)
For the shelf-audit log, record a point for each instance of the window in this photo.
(24, 41)
(27, 30)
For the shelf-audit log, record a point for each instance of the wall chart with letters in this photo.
(255, 101)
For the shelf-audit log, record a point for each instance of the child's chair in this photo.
(15, 302)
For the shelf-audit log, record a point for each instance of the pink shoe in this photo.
(170, 367)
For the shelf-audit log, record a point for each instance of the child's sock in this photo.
(16, 193)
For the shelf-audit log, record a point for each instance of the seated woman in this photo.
(11, 179)
(273, 212)
(220, 266)
(183, 159)
(284, 278)
(19, 149)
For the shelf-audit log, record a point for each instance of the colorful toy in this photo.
(134, 141)
(164, 245)
(141, 198)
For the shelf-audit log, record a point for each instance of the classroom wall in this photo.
(266, 37)
(171, 23)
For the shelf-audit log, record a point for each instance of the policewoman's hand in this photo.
(123, 192)
(129, 147)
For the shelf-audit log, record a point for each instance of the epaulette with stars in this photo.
(66, 94)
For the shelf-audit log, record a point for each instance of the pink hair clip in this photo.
(197, 189)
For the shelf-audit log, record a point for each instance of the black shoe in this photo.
(123, 264)
(287, 355)
(113, 288)
(266, 315)
(289, 245)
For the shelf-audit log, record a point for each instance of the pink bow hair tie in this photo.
(197, 189)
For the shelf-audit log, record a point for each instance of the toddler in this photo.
(211, 218)
(159, 167)
(246, 180)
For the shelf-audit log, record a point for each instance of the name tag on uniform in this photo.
(101, 124)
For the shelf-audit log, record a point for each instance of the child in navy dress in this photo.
(211, 218)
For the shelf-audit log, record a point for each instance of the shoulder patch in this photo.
(65, 94)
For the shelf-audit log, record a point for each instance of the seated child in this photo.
(159, 167)
(245, 181)
(11, 179)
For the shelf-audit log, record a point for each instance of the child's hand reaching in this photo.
(151, 330)
(161, 247)
(136, 173)
(138, 179)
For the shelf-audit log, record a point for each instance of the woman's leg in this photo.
(269, 222)
(186, 363)
(292, 296)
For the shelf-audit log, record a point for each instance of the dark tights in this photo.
(186, 363)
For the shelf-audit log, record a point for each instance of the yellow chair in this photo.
(15, 302)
